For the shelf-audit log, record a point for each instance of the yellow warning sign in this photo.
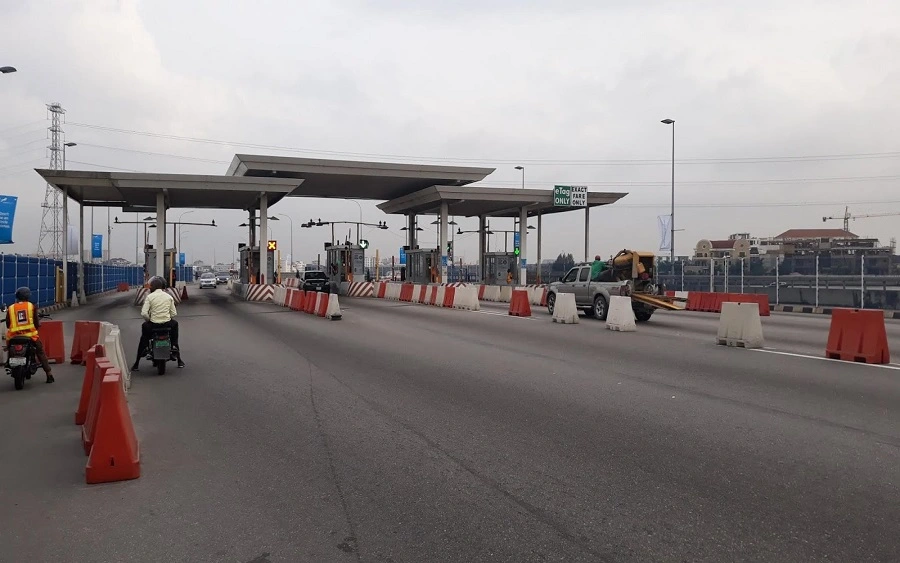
(273, 245)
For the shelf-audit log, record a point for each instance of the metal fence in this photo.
(39, 275)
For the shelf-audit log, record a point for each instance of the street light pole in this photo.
(672, 216)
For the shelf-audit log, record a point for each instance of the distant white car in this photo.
(207, 280)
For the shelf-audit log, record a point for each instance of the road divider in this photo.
(519, 303)
(858, 335)
(620, 316)
(740, 325)
(564, 309)
(87, 334)
(115, 453)
(53, 338)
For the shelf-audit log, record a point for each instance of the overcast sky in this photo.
(582, 84)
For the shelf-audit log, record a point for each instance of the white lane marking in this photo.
(503, 315)
(883, 366)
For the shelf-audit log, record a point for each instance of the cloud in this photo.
(487, 83)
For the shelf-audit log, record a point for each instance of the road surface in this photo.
(410, 433)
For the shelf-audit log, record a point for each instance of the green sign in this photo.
(570, 196)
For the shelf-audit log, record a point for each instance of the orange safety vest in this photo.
(21, 321)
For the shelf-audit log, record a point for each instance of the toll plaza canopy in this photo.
(478, 201)
(354, 179)
(139, 190)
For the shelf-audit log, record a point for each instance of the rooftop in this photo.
(475, 201)
(138, 190)
(815, 233)
(347, 179)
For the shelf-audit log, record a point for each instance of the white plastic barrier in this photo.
(505, 293)
(441, 292)
(333, 311)
(620, 315)
(116, 354)
(739, 325)
(417, 293)
(492, 293)
(466, 298)
(564, 310)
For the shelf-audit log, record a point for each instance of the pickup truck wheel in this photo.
(643, 316)
(600, 308)
(551, 302)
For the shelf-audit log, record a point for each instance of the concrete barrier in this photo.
(441, 292)
(564, 310)
(505, 293)
(466, 298)
(620, 316)
(740, 325)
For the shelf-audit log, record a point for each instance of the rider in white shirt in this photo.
(158, 311)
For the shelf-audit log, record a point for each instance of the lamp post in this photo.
(522, 168)
(7, 69)
(672, 216)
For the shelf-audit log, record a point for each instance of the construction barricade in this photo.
(739, 325)
(519, 303)
(620, 316)
(52, 337)
(858, 335)
(564, 309)
(87, 334)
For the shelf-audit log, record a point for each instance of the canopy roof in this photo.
(138, 190)
(475, 201)
(348, 179)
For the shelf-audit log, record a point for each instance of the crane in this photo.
(846, 218)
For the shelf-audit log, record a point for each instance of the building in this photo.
(839, 252)
(736, 246)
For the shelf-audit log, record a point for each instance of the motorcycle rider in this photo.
(22, 321)
(158, 311)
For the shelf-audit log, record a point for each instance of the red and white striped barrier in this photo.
(361, 289)
(260, 292)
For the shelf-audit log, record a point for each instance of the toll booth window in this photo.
(571, 276)
(584, 275)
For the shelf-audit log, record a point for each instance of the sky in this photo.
(785, 112)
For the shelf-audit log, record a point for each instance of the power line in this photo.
(627, 183)
(170, 155)
(102, 166)
(546, 162)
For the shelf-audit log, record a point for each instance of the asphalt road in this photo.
(411, 433)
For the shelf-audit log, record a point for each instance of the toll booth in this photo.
(170, 260)
(500, 268)
(423, 265)
(249, 267)
(345, 263)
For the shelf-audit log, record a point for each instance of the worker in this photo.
(158, 310)
(22, 321)
(597, 266)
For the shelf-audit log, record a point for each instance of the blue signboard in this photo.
(97, 246)
(402, 255)
(181, 258)
(516, 238)
(444, 260)
(7, 216)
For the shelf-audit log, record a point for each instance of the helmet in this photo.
(23, 294)
(156, 282)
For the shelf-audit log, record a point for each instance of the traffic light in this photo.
(363, 243)
(517, 251)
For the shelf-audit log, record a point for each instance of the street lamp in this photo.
(7, 69)
(522, 168)
(672, 216)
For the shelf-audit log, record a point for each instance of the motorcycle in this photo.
(21, 359)
(160, 350)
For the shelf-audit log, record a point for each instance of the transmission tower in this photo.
(52, 222)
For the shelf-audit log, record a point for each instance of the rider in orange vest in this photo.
(22, 321)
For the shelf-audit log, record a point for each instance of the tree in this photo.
(563, 262)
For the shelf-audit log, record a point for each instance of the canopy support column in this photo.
(443, 240)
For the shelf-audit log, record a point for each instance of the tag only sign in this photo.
(570, 196)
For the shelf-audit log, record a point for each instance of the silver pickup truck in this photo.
(593, 296)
